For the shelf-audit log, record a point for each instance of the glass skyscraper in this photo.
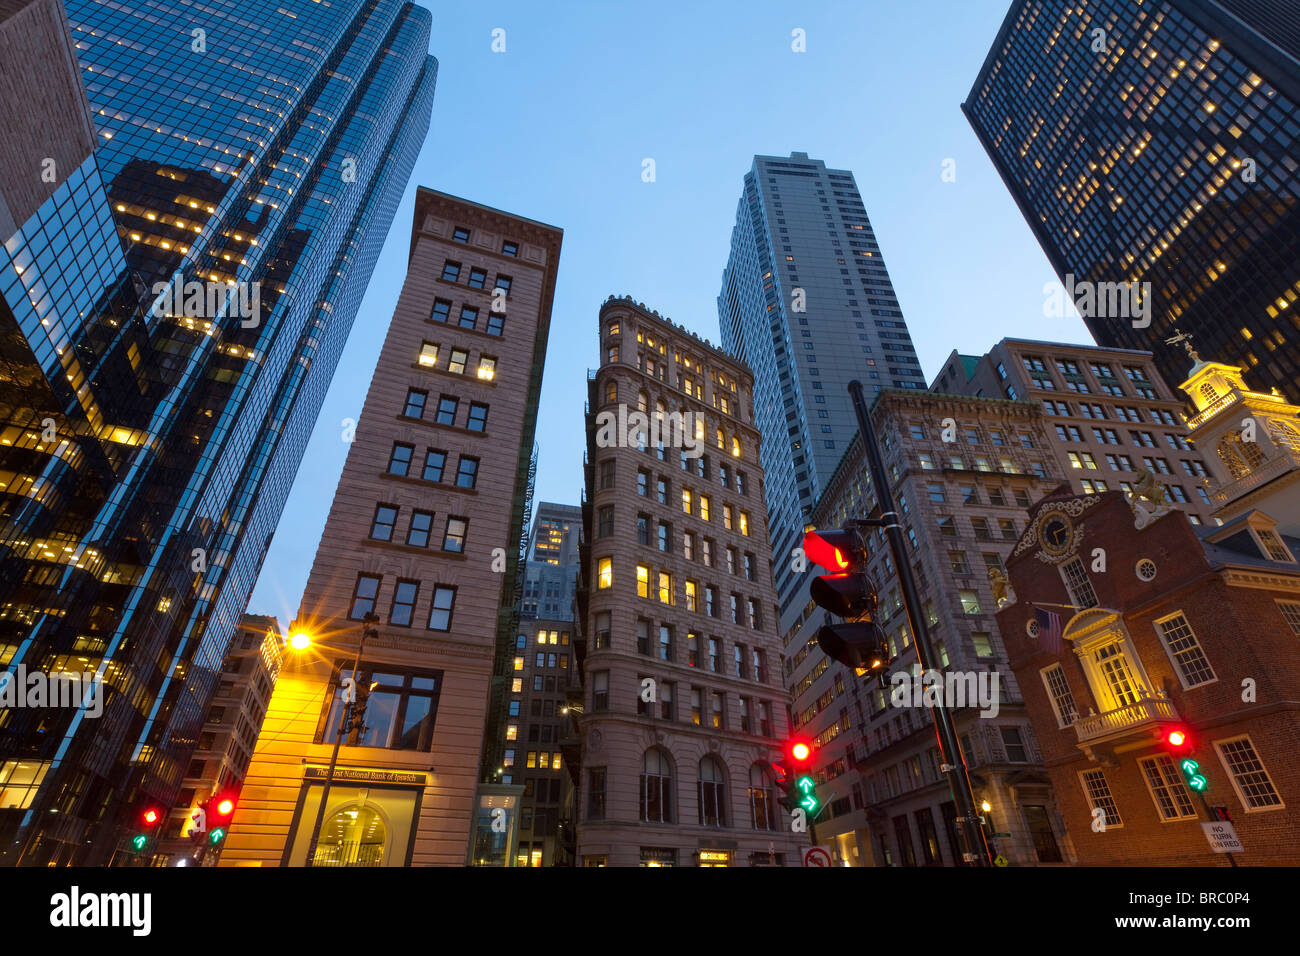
(249, 158)
(806, 302)
(1159, 142)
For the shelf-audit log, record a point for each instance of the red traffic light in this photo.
(223, 806)
(800, 752)
(151, 816)
(1176, 738)
(835, 551)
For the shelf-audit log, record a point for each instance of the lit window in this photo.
(429, 354)
(605, 573)
(642, 581)
(487, 368)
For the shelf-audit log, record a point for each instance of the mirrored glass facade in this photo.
(1159, 142)
(171, 318)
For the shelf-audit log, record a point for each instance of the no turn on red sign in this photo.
(1222, 837)
(816, 856)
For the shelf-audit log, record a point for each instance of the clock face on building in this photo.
(1055, 532)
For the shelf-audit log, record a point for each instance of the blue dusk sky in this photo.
(556, 128)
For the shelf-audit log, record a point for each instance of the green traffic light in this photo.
(139, 841)
(808, 787)
(1192, 774)
(217, 835)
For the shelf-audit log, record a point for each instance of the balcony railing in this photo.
(1146, 710)
(1259, 476)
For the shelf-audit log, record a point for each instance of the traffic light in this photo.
(1179, 746)
(150, 817)
(1220, 813)
(847, 592)
(796, 778)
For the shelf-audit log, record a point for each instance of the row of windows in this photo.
(477, 278)
(981, 463)
(699, 505)
(1123, 413)
(447, 411)
(661, 586)
(657, 800)
(435, 464)
(461, 235)
(405, 595)
(700, 466)
(419, 528)
(468, 317)
(457, 361)
(694, 547)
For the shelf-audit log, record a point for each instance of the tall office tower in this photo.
(963, 506)
(1159, 142)
(806, 302)
(676, 612)
(424, 533)
(541, 677)
(225, 748)
(1110, 415)
(172, 315)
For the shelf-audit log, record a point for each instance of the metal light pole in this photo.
(976, 849)
(345, 721)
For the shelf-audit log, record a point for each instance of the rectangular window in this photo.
(1058, 690)
(468, 317)
(1168, 791)
(607, 473)
(1291, 613)
(450, 271)
(503, 283)
(487, 368)
(665, 588)
(456, 363)
(496, 324)
(399, 463)
(605, 573)
(596, 794)
(477, 421)
(444, 602)
(399, 711)
(509, 248)
(1014, 744)
(447, 405)
(1249, 778)
(970, 602)
(605, 521)
(665, 642)
(415, 399)
(642, 581)
(1076, 580)
(434, 461)
(600, 691)
(363, 596)
(454, 539)
(429, 354)
(1099, 797)
(381, 529)
(404, 597)
(441, 310)
(417, 535)
(467, 472)
(1184, 650)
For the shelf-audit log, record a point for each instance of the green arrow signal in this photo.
(809, 803)
(805, 784)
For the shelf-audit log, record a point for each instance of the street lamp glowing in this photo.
(986, 806)
(299, 641)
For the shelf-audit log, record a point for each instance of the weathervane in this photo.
(1185, 340)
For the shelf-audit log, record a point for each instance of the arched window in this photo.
(1250, 451)
(1209, 394)
(354, 836)
(735, 447)
(642, 403)
(613, 328)
(1231, 459)
(722, 441)
(713, 793)
(762, 807)
(611, 392)
(660, 410)
(1283, 435)
(656, 788)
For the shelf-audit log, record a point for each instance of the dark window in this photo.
(421, 525)
(415, 400)
(460, 234)
(434, 461)
(404, 597)
(477, 278)
(399, 708)
(381, 529)
(444, 602)
(607, 473)
(605, 522)
(503, 283)
(467, 472)
(451, 271)
(447, 405)
(496, 323)
(596, 794)
(441, 310)
(399, 463)
(477, 421)
(363, 596)
(468, 317)
(509, 248)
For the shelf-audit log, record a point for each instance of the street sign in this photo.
(1222, 837)
(816, 856)
(1000, 835)
(999, 860)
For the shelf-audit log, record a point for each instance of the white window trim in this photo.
(1097, 682)
(1263, 547)
(1178, 781)
(1051, 697)
(1223, 761)
(1170, 654)
(1279, 602)
(1087, 796)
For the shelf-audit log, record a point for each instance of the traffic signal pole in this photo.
(976, 849)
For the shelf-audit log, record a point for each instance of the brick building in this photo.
(676, 589)
(428, 514)
(963, 503)
(1109, 414)
(1166, 625)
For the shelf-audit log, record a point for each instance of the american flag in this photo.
(1050, 631)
